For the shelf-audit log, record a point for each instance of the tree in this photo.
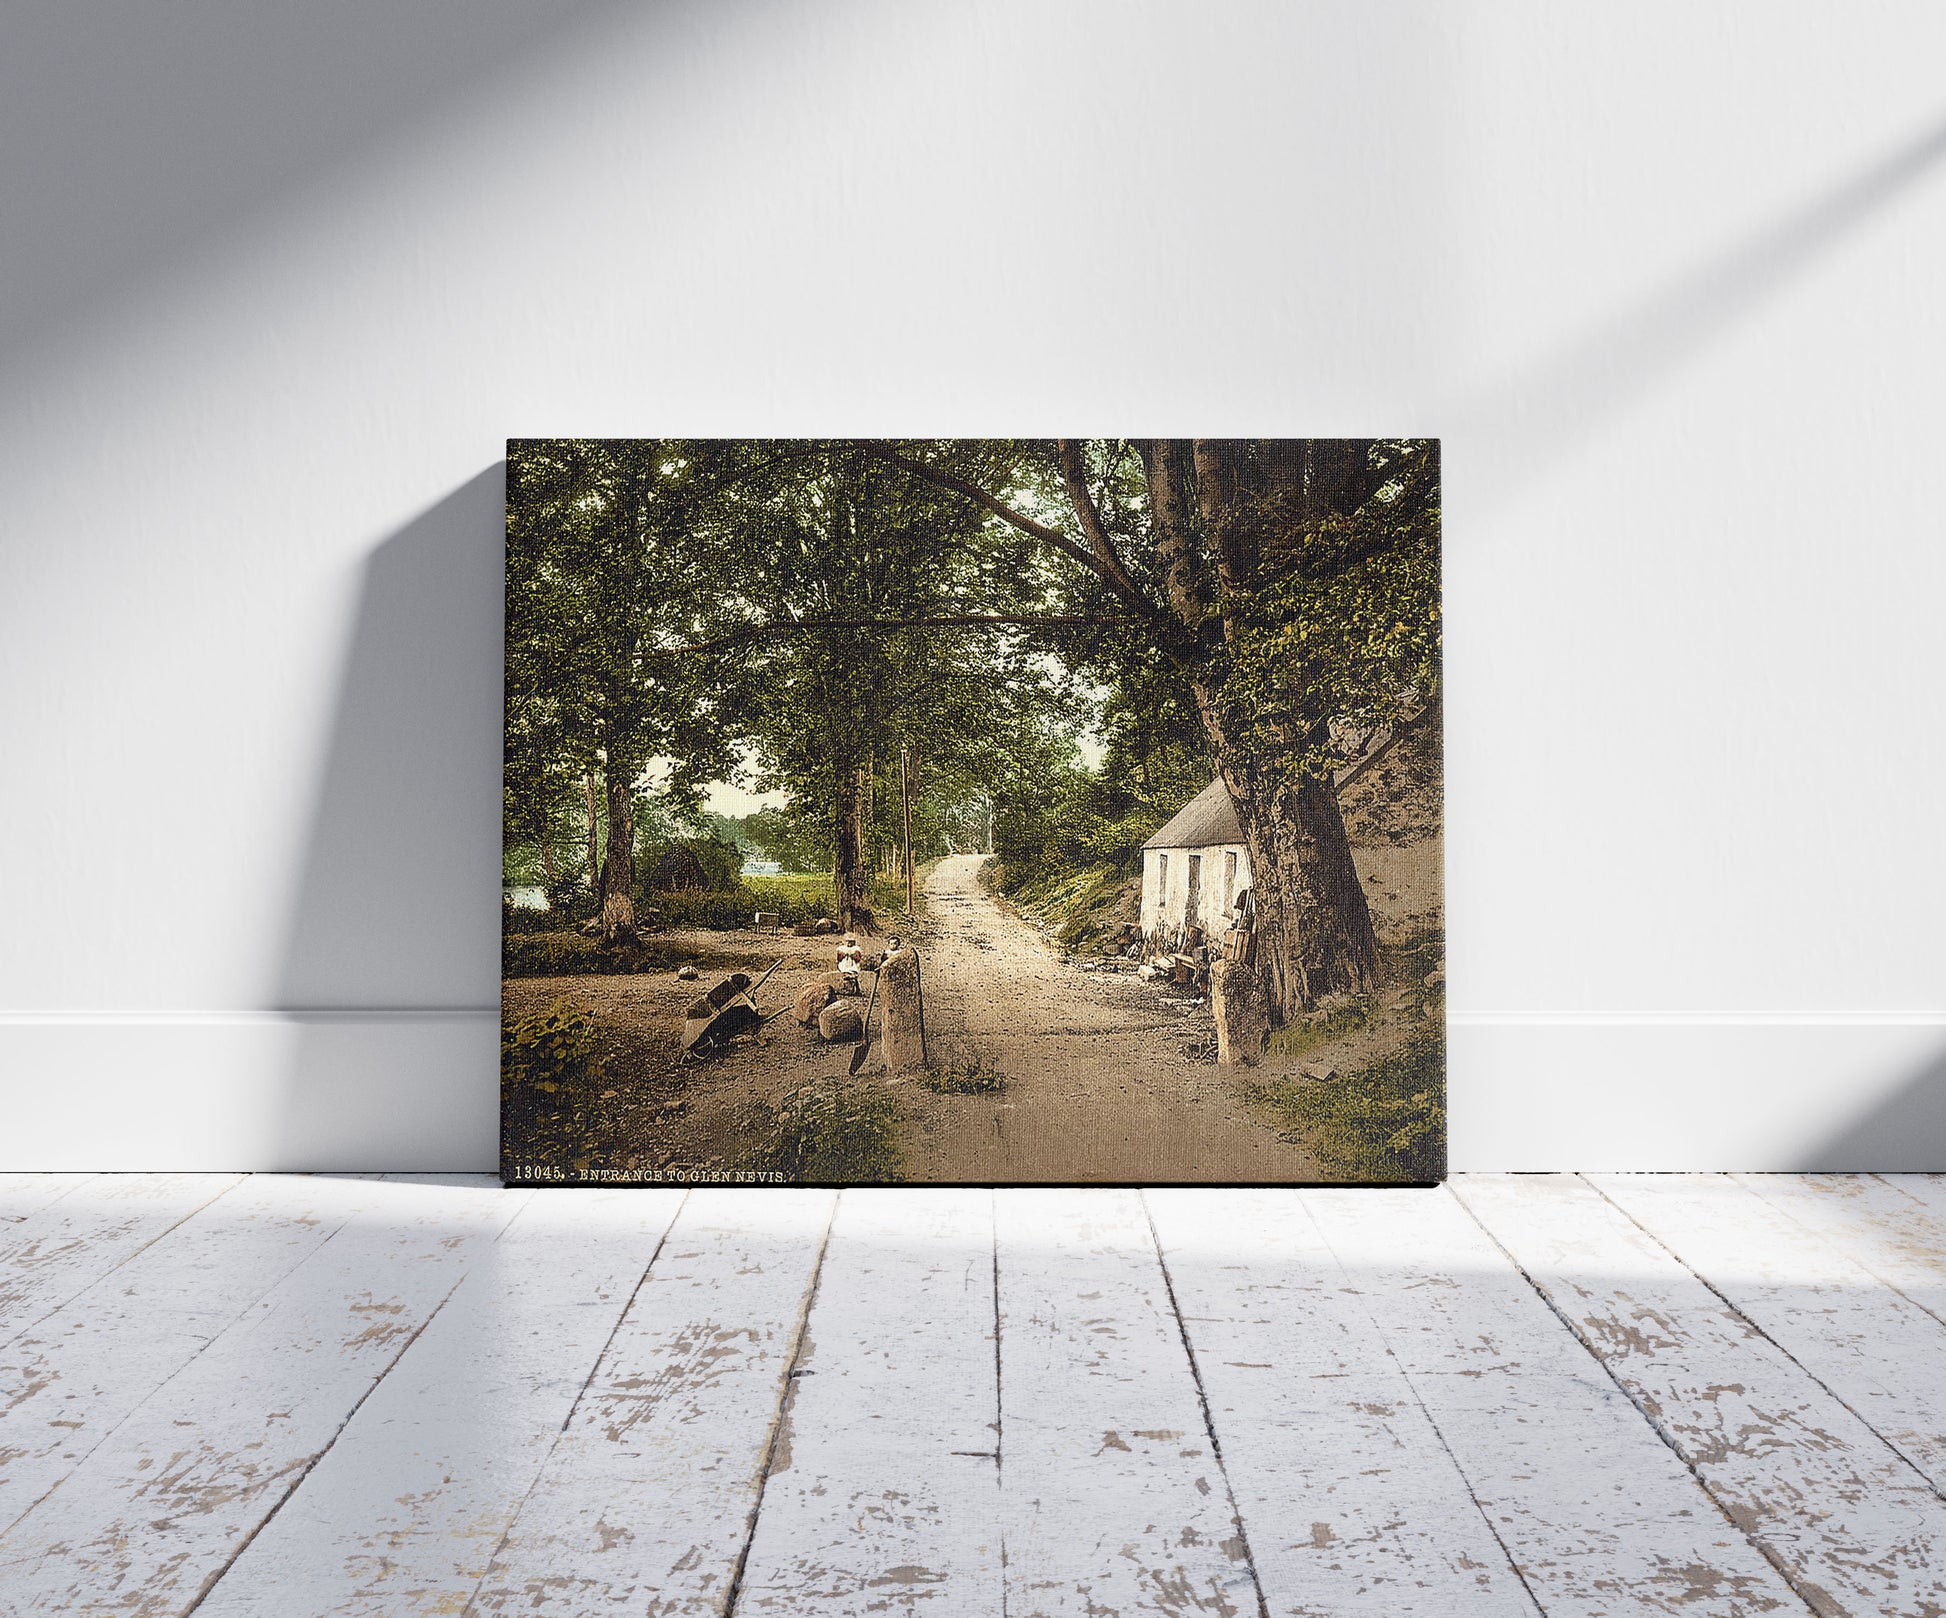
(1290, 588)
(601, 565)
(868, 603)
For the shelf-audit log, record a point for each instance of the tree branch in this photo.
(1074, 472)
(1109, 570)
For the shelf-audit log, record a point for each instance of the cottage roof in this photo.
(1207, 818)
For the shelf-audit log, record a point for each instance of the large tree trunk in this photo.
(1314, 928)
(851, 872)
(618, 862)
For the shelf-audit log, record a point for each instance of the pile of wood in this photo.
(1176, 966)
(1184, 955)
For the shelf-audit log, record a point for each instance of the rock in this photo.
(870, 963)
(805, 929)
(812, 999)
(1242, 1011)
(686, 972)
(902, 1008)
(1322, 1072)
(824, 924)
(840, 1023)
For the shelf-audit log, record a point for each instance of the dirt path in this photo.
(1098, 1085)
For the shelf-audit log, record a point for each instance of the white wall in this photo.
(1165, 892)
(280, 280)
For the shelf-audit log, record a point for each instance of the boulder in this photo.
(840, 982)
(686, 972)
(840, 1023)
(1242, 1009)
(805, 929)
(812, 999)
(902, 1010)
(824, 924)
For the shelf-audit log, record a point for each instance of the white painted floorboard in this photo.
(1557, 1395)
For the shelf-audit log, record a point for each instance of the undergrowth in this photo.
(839, 1131)
(1320, 1027)
(971, 1078)
(1385, 1122)
(1081, 906)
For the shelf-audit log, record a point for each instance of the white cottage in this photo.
(1194, 868)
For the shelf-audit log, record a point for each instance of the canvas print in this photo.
(973, 811)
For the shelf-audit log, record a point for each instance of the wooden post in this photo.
(905, 795)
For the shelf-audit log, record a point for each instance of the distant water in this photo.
(527, 898)
(762, 868)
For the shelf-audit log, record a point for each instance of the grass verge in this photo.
(1385, 1122)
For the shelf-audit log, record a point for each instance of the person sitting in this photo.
(850, 957)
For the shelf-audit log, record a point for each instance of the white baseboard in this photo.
(250, 1090)
(418, 1090)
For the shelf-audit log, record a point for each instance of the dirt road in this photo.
(1098, 1085)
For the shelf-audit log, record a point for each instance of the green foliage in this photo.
(1341, 632)
(837, 1132)
(1384, 1122)
(551, 1050)
(674, 864)
(776, 834)
(1074, 820)
(971, 1077)
(1321, 1027)
(799, 895)
(1081, 905)
(550, 955)
(795, 899)
(526, 919)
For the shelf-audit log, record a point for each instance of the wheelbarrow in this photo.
(729, 1009)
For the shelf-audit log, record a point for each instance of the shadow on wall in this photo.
(1904, 1134)
(391, 963)
(132, 138)
(1549, 410)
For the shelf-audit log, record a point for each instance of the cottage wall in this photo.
(1165, 885)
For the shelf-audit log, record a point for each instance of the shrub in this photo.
(550, 955)
(841, 1132)
(973, 1078)
(1320, 1027)
(526, 919)
(550, 1050)
(1384, 1122)
(686, 865)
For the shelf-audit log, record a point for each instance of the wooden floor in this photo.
(1564, 1395)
